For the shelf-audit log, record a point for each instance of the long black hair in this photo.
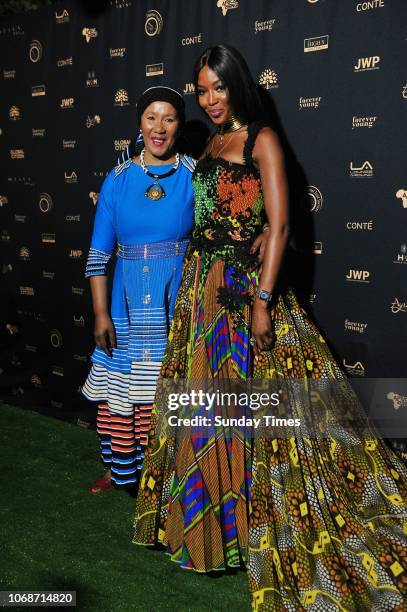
(233, 71)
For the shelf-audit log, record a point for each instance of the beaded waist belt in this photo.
(155, 249)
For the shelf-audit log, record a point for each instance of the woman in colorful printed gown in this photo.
(145, 214)
(317, 514)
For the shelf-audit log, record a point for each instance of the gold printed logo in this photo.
(121, 145)
(45, 203)
(63, 17)
(153, 23)
(56, 338)
(402, 195)
(75, 254)
(38, 90)
(48, 238)
(358, 276)
(356, 369)
(189, 89)
(17, 153)
(363, 122)
(268, 79)
(192, 40)
(316, 43)
(309, 102)
(119, 52)
(264, 26)
(89, 33)
(370, 4)
(314, 199)
(363, 171)
(35, 51)
(401, 257)
(121, 97)
(227, 5)
(355, 326)
(399, 401)
(91, 121)
(154, 69)
(67, 103)
(3, 200)
(367, 63)
(9, 74)
(14, 113)
(94, 196)
(397, 306)
(71, 178)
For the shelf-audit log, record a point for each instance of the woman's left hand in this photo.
(259, 245)
(262, 331)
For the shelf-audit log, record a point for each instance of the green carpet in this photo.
(57, 536)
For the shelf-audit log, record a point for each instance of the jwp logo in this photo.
(67, 103)
(189, 89)
(367, 63)
(361, 276)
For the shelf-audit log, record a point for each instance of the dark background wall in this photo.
(70, 77)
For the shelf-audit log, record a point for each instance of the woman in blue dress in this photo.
(144, 216)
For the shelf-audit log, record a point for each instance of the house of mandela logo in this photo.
(268, 79)
(121, 98)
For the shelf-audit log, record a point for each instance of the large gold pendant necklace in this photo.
(155, 191)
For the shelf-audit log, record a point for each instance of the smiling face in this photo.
(159, 124)
(213, 96)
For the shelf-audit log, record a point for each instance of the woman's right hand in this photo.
(104, 333)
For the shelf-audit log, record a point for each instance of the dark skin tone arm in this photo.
(105, 337)
(269, 159)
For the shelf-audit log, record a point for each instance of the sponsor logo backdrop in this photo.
(70, 82)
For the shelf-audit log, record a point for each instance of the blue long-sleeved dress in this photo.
(150, 239)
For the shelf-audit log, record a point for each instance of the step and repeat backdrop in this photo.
(70, 78)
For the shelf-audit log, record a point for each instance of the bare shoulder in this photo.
(266, 141)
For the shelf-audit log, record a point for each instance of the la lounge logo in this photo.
(357, 368)
(62, 17)
(402, 195)
(71, 178)
(92, 80)
(153, 23)
(363, 171)
(35, 51)
(367, 63)
(268, 79)
(359, 276)
(227, 5)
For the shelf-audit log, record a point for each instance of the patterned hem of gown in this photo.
(122, 391)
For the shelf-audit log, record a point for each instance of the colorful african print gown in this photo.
(318, 520)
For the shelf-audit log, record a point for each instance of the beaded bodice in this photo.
(229, 209)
